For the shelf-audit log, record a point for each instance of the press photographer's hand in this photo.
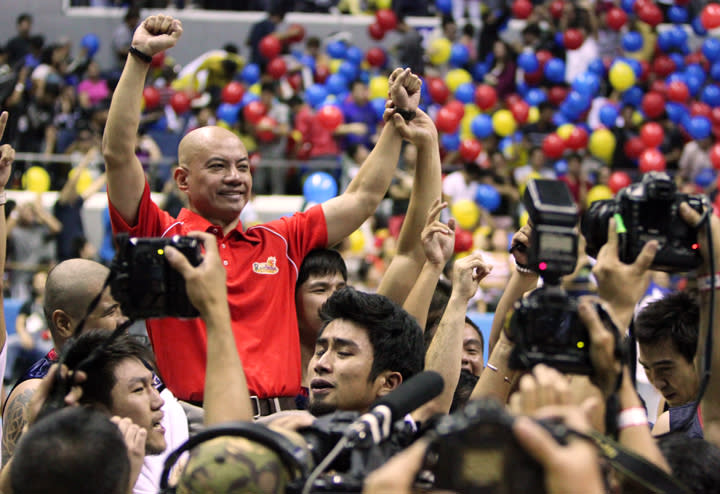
(693, 218)
(607, 367)
(520, 244)
(45, 389)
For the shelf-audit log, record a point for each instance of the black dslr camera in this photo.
(145, 284)
(545, 326)
(647, 211)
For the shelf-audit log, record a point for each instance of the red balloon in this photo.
(710, 16)
(375, 57)
(653, 104)
(663, 66)
(634, 147)
(180, 102)
(485, 96)
(553, 146)
(322, 72)
(151, 96)
(330, 117)
(254, 111)
(438, 90)
(678, 91)
(511, 99)
(276, 68)
(386, 18)
(650, 14)
(270, 47)
(658, 86)
(697, 58)
(573, 39)
(715, 116)
(521, 111)
(266, 133)
(556, 8)
(446, 120)
(652, 160)
(715, 156)
(577, 139)
(457, 108)
(698, 109)
(533, 78)
(652, 134)
(557, 95)
(618, 180)
(469, 150)
(616, 18)
(295, 80)
(463, 240)
(376, 31)
(522, 9)
(543, 56)
(232, 93)
(297, 33)
(158, 60)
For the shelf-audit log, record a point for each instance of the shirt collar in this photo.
(194, 221)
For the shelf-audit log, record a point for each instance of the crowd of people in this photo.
(335, 307)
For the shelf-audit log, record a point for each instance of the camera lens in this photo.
(594, 225)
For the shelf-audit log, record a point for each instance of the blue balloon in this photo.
(694, 83)
(248, 97)
(315, 94)
(307, 61)
(677, 76)
(451, 142)
(715, 71)
(696, 70)
(608, 115)
(465, 92)
(587, 84)
(444, 6)
(677, 14)
(697, 26)
(487, 197)
(627, 5)
(675, 111)
(337, 49)
(528, 62)
(459, 55)
(711, 49)
(479, 71)
(319, 187)
(578, 102)
(364, 76)
(680, 36)
(506, 144)
(711, 95)
(348, 71)
(559, 39)
(666, 40)
(699, 127)
(250, 74)
(91, 43)
(555, 70)
(354, 55)
(705, 177)
(597, 67)
(633, 96)
(632, 41)
(561, 167)
(570, 113)
(522, 88)
(481, 126)
(228, 113)
(159, 125)
(378, 105)
(559, 119)
(635, 65)
(535, 96)
(336, 84)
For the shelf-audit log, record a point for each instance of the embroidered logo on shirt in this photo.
(267, 267)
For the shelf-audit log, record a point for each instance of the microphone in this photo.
(410, 395)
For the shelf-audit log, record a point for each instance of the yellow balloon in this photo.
(357, 242)
(637, 118)
(36, 179)
(466, 213)
(334, 65)
(598, 193)
(504, 123)
(255, 89)
(565, 130)
(439, 51)
(378, 87)
(456, 77)
(534, 114)
(521, 187)
(471, 112)
(84, 180)
(383, 4)
(622, 76)
(602, 144)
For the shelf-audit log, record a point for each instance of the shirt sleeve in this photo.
(151, 220)
(305, 231)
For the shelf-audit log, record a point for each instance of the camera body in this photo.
(145, 284)
(649, 210)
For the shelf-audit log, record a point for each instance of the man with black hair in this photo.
(122, 36)
(271, 174)
(409, 49)
(694, 461)
(19, 46)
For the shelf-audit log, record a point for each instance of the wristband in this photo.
(406, 114)
(140, 55)
(523, 268)
(3, 198)
(704, 283)
(632, 417)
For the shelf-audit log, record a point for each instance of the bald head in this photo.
(203, 139)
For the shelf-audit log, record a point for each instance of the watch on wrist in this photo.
(140, 55)
(406, 114)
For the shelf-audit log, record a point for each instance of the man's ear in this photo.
(181, 177)
(63, 323)
(388, 381)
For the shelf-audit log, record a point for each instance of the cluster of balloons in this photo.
(385, 20)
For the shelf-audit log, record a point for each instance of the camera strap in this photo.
(634, 466)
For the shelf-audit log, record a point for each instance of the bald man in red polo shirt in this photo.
(262, 262)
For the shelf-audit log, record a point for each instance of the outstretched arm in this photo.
(7, 156)
(125, 176)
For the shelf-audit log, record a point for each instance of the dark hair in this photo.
(269, 86)
(676, 318)
(469, 30)
(24, 17)
(313, 41)
(107, 355)
(695, 462)
(545, 105)
(132, 13)
(72, 451)
(439, 302)
(463, 390)
(231, 48)
(447, 19)
(532, 29)
(321, 262)
(471, 323)
(394, 334)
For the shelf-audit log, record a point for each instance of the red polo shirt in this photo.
(262, 268)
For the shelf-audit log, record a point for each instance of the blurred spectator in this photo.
(534, 169)
(695, 158)
(93, 89)
(410, 7)
(32, 58)
(502, 73)
(492, 21)
(19, 46)
(579, 17)
(624, 130)
(122, 36)
(270, 176)
(577, 181)
(357, 109)
(409, 50)
(462, 184)
(211, 72)
(37, 132)
(467, 39)
(536, 132)
(609, 40)
(265, 27)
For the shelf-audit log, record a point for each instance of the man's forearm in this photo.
(419, 298)
(124, 115)
(519, 284)
(710, 404)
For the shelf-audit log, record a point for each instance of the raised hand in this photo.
(134, 437)
(404, 89)
(438, 239)
(7, 154)
(521, 243)
(468, 272)
(157, 33)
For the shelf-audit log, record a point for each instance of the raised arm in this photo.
(7, 156)
(226, 393)
(125, 176)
